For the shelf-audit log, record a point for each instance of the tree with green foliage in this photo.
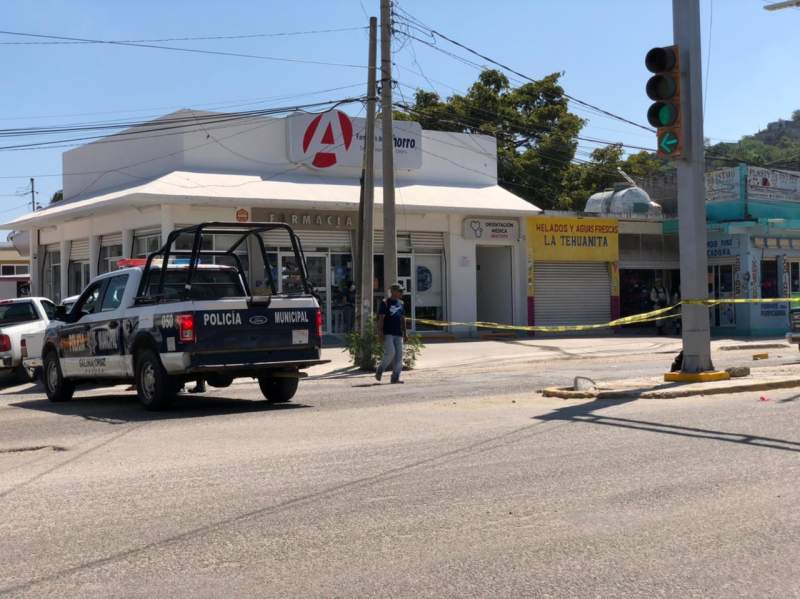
(535, 131)
(536, 136)
(57, 197)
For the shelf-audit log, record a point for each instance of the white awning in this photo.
(183, 187)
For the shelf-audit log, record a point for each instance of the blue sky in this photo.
(598, 45)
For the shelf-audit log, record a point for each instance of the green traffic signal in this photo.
(664, 88)
(667, 142)
(662, 114)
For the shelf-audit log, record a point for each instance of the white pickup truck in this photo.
(32, 341)
(22, 317)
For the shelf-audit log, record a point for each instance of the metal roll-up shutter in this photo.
(427, 241)
(79, 250)
(403, 242)
(311, 240)
(111, 239)
(569, 293)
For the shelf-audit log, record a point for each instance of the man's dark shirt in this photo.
(393, 312)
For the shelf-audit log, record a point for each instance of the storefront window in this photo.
(78, 277)
(109, 256)
(144, 245)
(795, 277)
(430, 289)
(13, 270)
(52, 276)
(769, 279)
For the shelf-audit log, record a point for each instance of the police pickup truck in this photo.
(187, 312)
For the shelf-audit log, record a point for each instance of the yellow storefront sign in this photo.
(572, 239)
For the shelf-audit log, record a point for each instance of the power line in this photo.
(218, 104)
(189, 38)
(535, 130)
(436, 33)
(708, 54)
(182, 124)
(189, 50)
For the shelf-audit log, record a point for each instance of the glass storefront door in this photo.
(720, 286)
(291, 281)
(343, 294)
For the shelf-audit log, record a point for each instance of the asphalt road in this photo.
(463, 482)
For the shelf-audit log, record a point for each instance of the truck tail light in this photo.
(5, 343)
(318, 322)
(23, 347)
(185, 326)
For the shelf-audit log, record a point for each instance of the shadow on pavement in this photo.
(121, 409)
(586, 413)
(340, 373)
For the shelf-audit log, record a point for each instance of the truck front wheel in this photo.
(155, 388)
(278, 389)
(55, 385)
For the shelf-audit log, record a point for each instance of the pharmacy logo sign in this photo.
(327, 135)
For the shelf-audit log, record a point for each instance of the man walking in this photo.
(392, 333)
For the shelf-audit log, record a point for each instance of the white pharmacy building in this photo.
(460, 236)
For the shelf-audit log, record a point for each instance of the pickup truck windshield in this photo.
(207, 284)
(17, 312)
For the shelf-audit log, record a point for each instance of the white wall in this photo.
(252, 146)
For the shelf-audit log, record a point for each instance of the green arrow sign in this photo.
(668, 143)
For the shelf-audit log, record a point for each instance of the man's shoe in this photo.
(398, 382)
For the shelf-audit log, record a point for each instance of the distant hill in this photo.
(777, 146)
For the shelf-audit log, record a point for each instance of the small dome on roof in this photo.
(623, 199)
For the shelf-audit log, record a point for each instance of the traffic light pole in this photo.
(691, 191)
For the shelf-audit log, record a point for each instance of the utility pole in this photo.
(691, 190)
(389, 224)
(33, 196)
(368, 199)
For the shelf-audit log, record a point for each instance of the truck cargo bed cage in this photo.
(243, 231)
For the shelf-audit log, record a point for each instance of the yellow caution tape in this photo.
(652, 316)
(717, 302)
(660, 314)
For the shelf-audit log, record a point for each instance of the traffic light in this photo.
(664, 88)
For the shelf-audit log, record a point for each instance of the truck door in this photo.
(91, 345)
(105, 330)
(73, 337)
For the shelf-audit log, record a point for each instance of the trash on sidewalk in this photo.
(763, 398)
(738, 371)
(583, 383)
(760, 356)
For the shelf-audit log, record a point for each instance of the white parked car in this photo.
(31, 341)
(18, 317)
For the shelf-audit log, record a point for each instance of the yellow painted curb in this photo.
(696, 377)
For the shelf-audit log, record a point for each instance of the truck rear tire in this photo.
(278, 389)
(155, 388)
(26, 375)
(58, 388)
(219, 381)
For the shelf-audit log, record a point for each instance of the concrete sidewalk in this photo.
(761, 380)
(467, 352)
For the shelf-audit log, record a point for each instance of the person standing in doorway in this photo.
(392, 333)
